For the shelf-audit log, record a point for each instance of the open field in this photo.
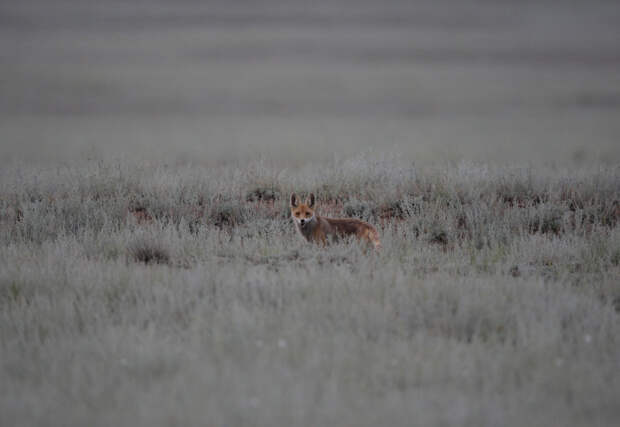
(169, 287)
(135, 294)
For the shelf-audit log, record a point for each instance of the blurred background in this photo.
(299, 81)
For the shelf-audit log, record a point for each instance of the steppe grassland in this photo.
(140, 294)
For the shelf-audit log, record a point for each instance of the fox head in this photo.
(302, 213)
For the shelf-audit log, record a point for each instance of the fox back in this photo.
(318, 229)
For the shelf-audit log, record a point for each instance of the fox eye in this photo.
(296, 213)
(307, 214)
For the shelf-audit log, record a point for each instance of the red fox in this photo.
(318, 229)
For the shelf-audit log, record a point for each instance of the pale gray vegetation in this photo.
(135, 294)
(170, 288)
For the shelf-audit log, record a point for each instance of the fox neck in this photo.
(307, 229)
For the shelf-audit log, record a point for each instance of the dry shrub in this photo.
(148, 250)
(228, 213)
(263, 195)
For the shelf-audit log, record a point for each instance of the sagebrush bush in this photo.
(148, 250)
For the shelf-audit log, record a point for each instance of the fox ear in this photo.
(293, 200)
(310, 201)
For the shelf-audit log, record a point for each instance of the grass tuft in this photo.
(148, 250)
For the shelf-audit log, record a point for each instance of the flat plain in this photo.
(150, 274)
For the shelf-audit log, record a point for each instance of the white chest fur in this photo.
(307, 229)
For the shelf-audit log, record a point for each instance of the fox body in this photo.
(318, 229)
